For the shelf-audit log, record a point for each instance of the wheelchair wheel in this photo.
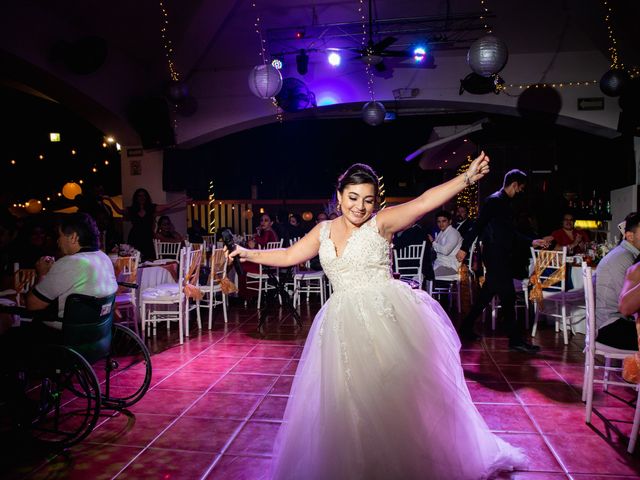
(126, 370)
(62, 405)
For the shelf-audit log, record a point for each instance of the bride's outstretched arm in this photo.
(400, 217)
(301, 251)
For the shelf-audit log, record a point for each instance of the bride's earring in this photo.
(338, 208)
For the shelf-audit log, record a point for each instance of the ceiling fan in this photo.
(374, 53)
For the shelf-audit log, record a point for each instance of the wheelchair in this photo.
(96, 365)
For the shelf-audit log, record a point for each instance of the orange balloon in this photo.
(71, 190)
(33, 206)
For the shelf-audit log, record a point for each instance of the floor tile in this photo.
(541, 459)
(243, 383)
(271, 408)
(256, 438)
(88, 461)
(189, 380)
(198, 434)
(554, 393)
(157, 401)
(506, 418)
(225, 405)
(168, 464)
(578, 455)
(231, 467)
(136, 430)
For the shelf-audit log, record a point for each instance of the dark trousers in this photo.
(498, 281)
(619, 334)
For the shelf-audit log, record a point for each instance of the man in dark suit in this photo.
(463, 223)
(496, 229)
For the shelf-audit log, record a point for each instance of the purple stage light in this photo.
(334, 59)
(419, 53)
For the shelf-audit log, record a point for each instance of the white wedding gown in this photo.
(379, 392)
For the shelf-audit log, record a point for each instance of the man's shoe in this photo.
(524, 347)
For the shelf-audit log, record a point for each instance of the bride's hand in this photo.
(240, 252)
(478, 169)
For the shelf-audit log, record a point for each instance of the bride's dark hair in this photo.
(357, 174)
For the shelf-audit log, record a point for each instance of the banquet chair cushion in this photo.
(166, 291)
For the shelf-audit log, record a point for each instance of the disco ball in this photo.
(487, 55)
(265, 81)
(373, 113)
(613, 81)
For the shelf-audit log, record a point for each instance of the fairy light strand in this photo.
(257, 24)
(616, 64)
(483, 16)
(168, 46)
(258, 27)
(366, 49)
(469, 196)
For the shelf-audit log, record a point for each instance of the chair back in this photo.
(408, 261)
(277, 244)
(590, 306)
(549, 264)
(23, 281)
(87, 324)
(126, 268)
(167, 249)
(470, 257)
(209, 239)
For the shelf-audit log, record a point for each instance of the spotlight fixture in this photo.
(302, 62)
(419, 54)
(334, 59)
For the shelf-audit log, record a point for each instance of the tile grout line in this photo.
(533, 421)
(144, 449)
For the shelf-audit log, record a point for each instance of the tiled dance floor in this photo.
(216, 403)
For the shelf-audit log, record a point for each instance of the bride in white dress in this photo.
(379, 392)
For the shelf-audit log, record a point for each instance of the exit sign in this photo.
(591, 103)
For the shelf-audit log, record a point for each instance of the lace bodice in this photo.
(365, 260)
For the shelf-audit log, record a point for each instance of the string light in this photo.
(522, 87)
(212, 200)
(367, 49)
(483, 16)
(469, 196)
(263, 54)
(168, 47)
(613, 42)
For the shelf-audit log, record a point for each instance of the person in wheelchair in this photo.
(83, 269)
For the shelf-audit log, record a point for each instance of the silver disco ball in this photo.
(613, 81)
(373, 113)
(487, 55)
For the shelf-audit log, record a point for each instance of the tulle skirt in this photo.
(380, 394)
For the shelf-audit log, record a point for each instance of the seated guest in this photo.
(83, 269)
(166, 231)
(265, 232)
(615, 328)
(196, 232)
(463, 223)
(446, 245)
(321, 217)
(295, 226)
(568, 236)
